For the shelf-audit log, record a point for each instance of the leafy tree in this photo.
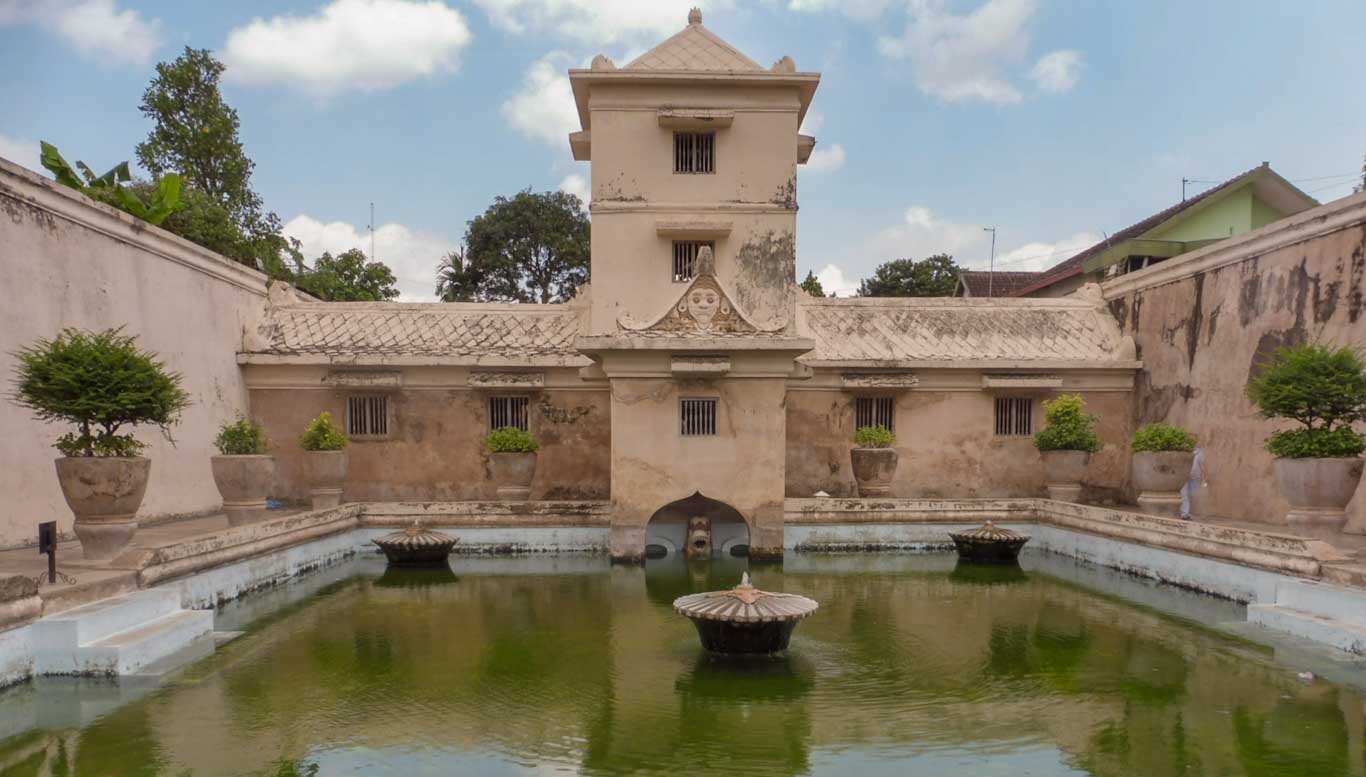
(99, 382)
(531, 247)
(934, 276)
(159, 200)
(1321, 387)
(348, 277)
(1362, 186)
(196, 132)
(812, 285)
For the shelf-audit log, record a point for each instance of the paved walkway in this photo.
(82, 581)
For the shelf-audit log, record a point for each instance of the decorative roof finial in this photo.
(694, 16)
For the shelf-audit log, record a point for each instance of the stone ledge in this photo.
(1290, 554)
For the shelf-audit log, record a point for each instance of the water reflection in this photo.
(507, 670)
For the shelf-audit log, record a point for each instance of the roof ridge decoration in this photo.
(704, 308)
(694, 48)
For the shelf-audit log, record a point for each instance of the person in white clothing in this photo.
(1195, 484)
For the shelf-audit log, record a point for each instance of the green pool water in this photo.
(912, 666)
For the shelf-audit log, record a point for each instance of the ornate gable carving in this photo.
(703, 309)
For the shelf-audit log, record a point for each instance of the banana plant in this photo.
(165, 200)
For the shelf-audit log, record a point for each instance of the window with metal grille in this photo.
(874, 411)
(509, 411)
(694, 152)
(685, 258)
(367, 415)
(697, 417)
(1014, 416)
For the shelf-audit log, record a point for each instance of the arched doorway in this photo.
(696, 527)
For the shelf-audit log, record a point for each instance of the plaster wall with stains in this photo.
(435, 451)
(653, 465)
(947, 446)
(72, 262)
(747, 206)
(1202, 334)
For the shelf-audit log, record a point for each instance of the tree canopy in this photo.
(812, 285)
(195, 132)
(933, 276)
(348, 277)
(531, 247)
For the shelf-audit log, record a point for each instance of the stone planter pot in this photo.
(512, 474)
(104, 493)
(1063, 472)
(244, 482)
(873, 470)
(326, 476)
(1318, 490)
(1159, 476)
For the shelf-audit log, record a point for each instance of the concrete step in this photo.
(1323, 599)
(95, 621)
(129, 651)
(1326, 630)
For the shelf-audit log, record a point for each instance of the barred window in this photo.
(694, 152)
(1014, 416)
(697, 417)
(509, 411)
(367, 415)
(685, 258)
(874, 411)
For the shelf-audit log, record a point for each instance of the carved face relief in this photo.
(703, 304)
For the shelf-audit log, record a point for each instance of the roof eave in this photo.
(582, 79)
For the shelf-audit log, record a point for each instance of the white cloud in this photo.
(595, 22)
(349, 44)
(544, 109)
(410, 254)
(95, 28)
(1057, 71)
(861, 10)
(812, 123)
(20, 151)
(833, 281)
(1039, 255)
(964, 58)
(576, 185)
(921, 233)
(825, 160)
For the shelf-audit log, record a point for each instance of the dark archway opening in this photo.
(696, 528)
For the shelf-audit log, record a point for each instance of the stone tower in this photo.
(694, 150)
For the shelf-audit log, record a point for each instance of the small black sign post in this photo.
(47, 543)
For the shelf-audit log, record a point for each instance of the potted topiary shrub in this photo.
(324, 460)
(102, 383)
(1161, 465)
(243, 471)
(874, 460)
(512, 462)
(1318, 465)
(1066, 443)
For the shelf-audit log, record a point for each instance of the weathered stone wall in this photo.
(435, 447)
(653, 465)
(947, 446)
(1204, 321)
(70, 262)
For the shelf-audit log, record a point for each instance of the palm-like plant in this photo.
(456, 281)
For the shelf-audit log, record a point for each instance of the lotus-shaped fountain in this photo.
(416, 546)
(989, 544)
(744, 619)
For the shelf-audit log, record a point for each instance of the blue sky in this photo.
(1052, 120)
